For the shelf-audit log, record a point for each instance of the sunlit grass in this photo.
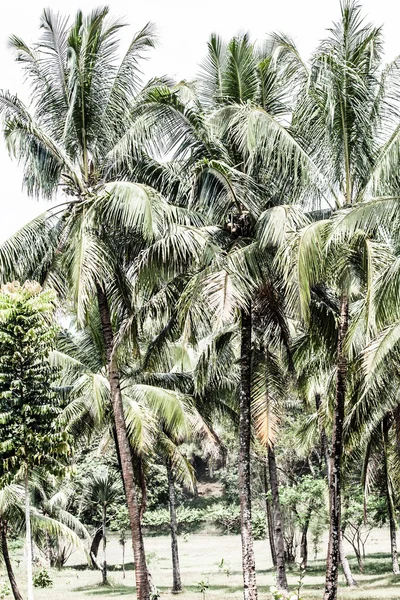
(200, 557)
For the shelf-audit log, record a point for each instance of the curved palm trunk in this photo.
(176, 574)
(389, 499)
(248, 562)
(281, 579)
(142, 580)
(94, 548)
(333, 557)
(268, 512)
(29, 569)
(104, 535)
(7, 561)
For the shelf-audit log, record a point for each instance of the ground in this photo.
(201, 556)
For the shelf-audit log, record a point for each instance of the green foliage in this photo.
(121, 523)
(31, 432)
(226, 518)
(188, 519)
(42, 579)
(229, 480)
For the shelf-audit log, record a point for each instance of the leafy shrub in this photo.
(226, 518)
(42, 579)
(259, 525)
(229, 480)
(188, 519)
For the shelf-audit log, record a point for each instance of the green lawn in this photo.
(200, 555)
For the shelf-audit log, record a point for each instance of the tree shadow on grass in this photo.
(128, 567)
(110, 590)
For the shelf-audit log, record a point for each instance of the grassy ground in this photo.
(200, 556)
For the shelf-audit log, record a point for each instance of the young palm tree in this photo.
(103, 490)
(12, 518)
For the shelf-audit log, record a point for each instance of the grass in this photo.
(200, 556)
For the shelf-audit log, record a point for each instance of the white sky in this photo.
(183, 27)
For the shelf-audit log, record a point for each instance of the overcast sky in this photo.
(183, 29)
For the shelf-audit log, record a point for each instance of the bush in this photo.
(188, 519)
(42, 579)
(226, 518)
(259, 525)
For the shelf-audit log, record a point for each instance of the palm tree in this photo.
(80, 113)
(13, 518)
(343, 116)
(219, 132)
(103, 490)
(159, 407)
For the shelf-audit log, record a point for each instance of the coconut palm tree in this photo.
(219, 132)
(346, 121)
(81, 101)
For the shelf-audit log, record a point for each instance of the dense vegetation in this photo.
(212, 297)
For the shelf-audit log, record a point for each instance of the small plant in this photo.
(222, 566)
(42, 579)
(203, 587)
(5, 589)
(151, 557)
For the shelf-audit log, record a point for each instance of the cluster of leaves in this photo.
(30, 427)
(42, 578)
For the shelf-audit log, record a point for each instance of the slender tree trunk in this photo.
(104, 535)
(268, 512)
(248, 562)
(123, 560)
(141, 574)
(7, 561)
(176, 574)
(281, 579)
(48, 550)
(29, 569)
(351, 582)
(323, 436)
(389, 499)
(333, 557)
(304, 542)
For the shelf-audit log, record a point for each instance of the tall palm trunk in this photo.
(350, 581)
(268, 511)
(389, 498)
(7, 561)
(176, 574)
(29, 568)
(281, 579)
(142, 580)
(333, 557)
(248, 562)
(104, 535)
